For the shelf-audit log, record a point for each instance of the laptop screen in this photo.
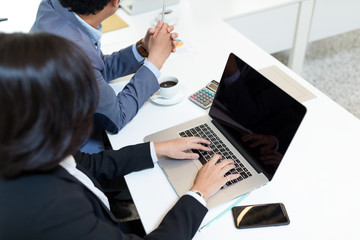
(255, 115)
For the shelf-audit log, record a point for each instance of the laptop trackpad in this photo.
(181, 173)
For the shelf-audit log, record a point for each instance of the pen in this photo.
(3, 19)
(225, 211)
(163, 11)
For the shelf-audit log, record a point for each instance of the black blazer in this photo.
(55, 205)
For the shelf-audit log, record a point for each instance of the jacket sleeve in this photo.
(110, 164)
(115, 111)
(72, 216)
(182, 221)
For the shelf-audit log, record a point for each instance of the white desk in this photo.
(317, 180)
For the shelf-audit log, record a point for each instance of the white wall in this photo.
(273, 30)
(21, 15)
(332, 17)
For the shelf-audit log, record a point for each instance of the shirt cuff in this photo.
(153, 153)
(147, 63)
(152, 68)
(197, 197)
(137, 55)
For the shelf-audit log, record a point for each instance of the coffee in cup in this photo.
(169, 87)
(168, 84)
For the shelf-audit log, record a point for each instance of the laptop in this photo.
(134, 7)
(251, 121)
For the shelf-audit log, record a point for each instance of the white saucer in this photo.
(164, 101)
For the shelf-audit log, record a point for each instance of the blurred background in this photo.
(331, 60)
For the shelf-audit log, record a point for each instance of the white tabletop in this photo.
(317, 180)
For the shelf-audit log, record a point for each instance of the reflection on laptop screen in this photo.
(259, 118)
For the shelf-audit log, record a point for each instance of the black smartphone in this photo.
(261, 215)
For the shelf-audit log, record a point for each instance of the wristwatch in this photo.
(142, 51)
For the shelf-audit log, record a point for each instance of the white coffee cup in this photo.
(169, 87)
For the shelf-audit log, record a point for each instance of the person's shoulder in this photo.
(32, 193)
(43, 186)
(58, 25)
(34, 202)
(51, 21)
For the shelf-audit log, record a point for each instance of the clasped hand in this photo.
(160, 43)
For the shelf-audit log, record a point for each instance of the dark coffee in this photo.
(168, 84)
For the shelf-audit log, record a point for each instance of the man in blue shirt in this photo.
(80, 22)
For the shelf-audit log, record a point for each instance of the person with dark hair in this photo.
(80, 21)
(49, 190)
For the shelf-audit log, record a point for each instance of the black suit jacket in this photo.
(55, 205)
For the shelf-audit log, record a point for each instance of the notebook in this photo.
(133, 7)
(251, 120)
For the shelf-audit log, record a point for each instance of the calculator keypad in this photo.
(203, 98)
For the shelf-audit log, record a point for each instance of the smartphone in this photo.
(261, 215)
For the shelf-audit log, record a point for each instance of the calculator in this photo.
(205, 96)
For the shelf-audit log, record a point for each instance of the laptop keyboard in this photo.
(217, 147)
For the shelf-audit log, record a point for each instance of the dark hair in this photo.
(48, 96)
(84, 7)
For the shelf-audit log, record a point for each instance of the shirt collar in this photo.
(69, 164)
(95, 34)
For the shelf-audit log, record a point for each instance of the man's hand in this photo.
(151, 31)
